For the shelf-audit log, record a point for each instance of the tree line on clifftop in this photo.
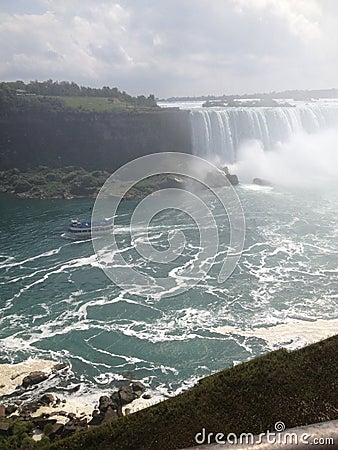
(57, 96)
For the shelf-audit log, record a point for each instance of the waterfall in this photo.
(218, 133)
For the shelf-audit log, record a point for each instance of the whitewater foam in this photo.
(287, 334)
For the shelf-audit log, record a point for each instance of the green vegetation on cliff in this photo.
(43, 182)
(70, 181)
(96, 133)
(298, 388)
(58, 96)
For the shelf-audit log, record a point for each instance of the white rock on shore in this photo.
(11, 375)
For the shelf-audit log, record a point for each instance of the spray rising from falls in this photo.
(218, 134)
(289, 146)
(306, 160)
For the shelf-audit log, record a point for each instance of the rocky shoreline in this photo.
(305, 393)
(48, 415)
(75, 182)
(43, 182)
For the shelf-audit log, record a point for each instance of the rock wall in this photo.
(90, 140)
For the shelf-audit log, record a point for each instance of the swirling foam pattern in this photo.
(56, 302)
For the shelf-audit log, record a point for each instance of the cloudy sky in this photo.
(172, 47)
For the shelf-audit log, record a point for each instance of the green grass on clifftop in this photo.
(100, 104)
(297, 388)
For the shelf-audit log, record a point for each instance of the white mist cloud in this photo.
(307, 160)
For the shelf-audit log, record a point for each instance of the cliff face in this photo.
(90, 140)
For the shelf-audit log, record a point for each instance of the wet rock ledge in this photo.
(48, 417)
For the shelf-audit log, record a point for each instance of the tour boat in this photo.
(84, 230)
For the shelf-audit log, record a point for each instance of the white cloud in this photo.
(55, 45)
(301, 15)
(173, 47)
